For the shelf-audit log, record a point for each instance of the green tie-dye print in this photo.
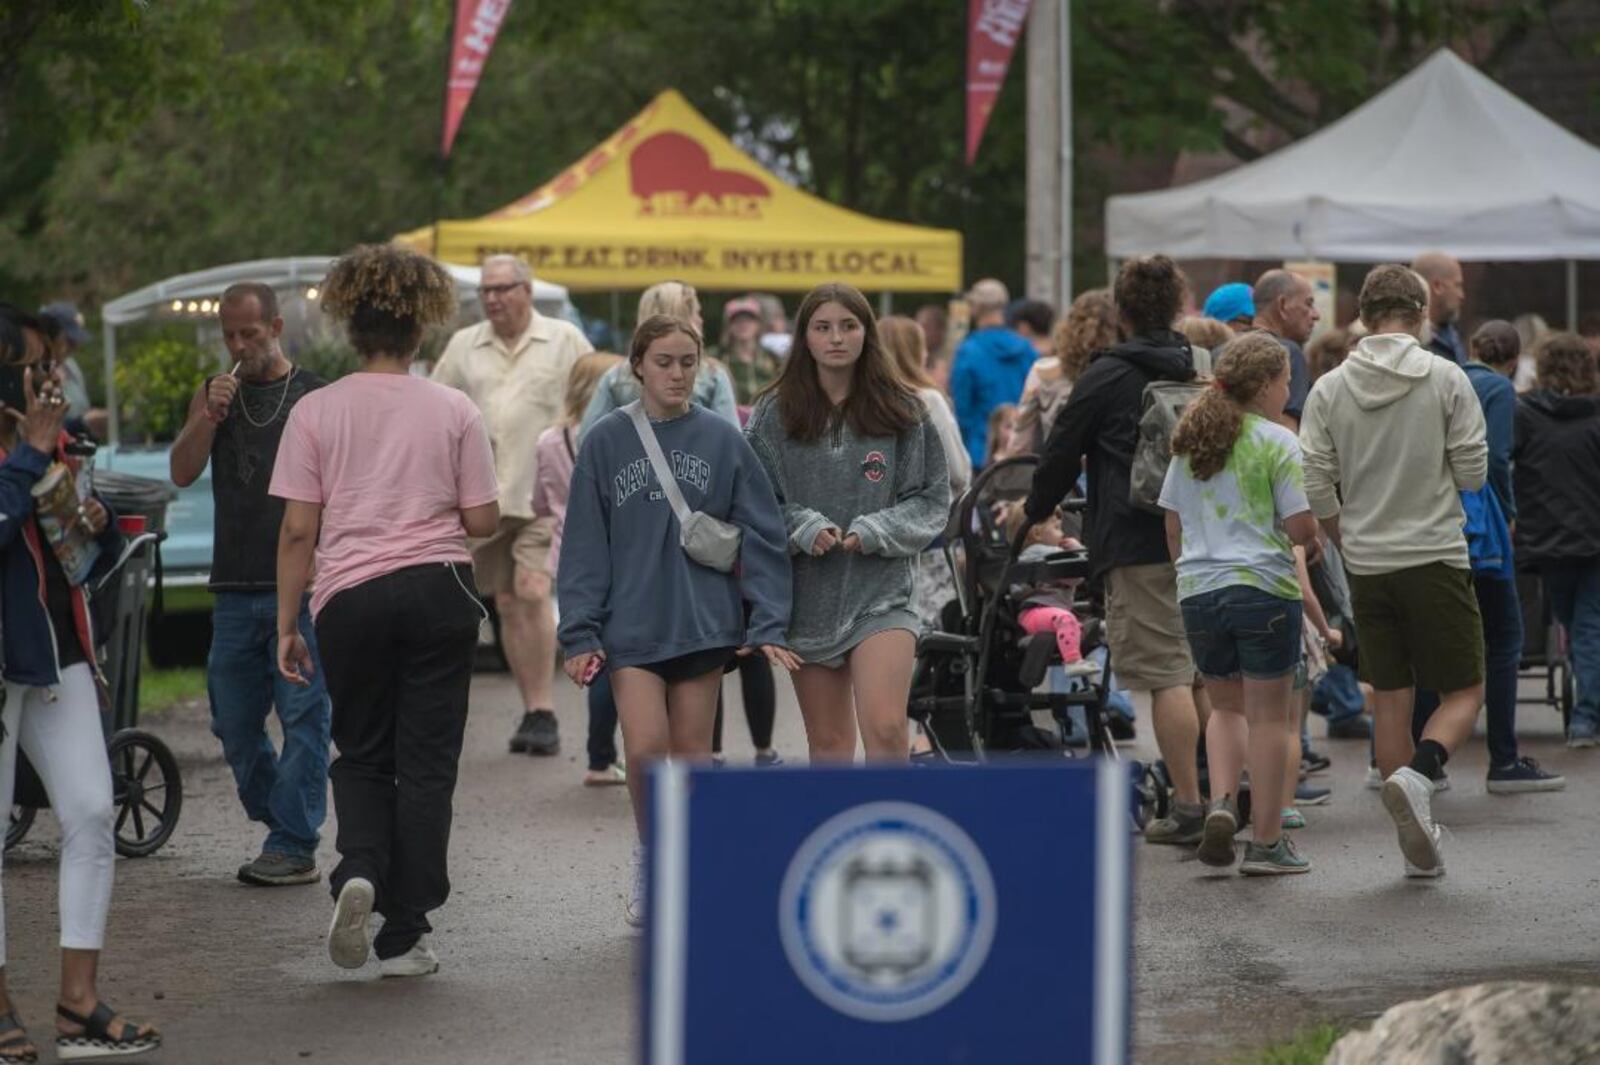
(1232, 524)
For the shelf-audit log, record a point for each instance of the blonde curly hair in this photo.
(1089, 325)
(1210, 424)
(387, 295)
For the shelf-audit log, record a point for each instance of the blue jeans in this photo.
(287, 792)
(1574, 591)
(1238, 630)
(1502, 655)
(1337, 695)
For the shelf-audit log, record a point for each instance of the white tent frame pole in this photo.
(1572, 295)
(1064, 214)
(110, 345)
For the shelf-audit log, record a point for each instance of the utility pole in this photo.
(1044, 151)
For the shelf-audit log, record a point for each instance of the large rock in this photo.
(1503, 1023)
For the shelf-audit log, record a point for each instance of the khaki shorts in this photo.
(1144, 626)
(519, 543)
(1418, 627)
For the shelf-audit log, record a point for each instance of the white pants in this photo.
(59, 730)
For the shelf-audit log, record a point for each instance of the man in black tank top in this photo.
(235, 423)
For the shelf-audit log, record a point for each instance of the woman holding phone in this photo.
(633, 601)
(51, 709)
(385, 475)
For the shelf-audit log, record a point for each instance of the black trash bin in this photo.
(124, 601)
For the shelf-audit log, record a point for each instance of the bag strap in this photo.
(652, 449)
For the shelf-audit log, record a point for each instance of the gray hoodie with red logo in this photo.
(892, 492)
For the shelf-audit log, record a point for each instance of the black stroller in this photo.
(146, 786)
(974, 687)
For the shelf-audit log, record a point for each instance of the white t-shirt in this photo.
(1233, 523)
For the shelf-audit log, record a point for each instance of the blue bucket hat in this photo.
(1230, 301)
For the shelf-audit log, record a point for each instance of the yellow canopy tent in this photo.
(668, 196)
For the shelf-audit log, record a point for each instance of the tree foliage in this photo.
(140, 139)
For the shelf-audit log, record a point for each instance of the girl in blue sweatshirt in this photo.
(632, 601)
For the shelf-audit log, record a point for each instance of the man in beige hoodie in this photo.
(1390, 437)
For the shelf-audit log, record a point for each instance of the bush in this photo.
(156, 379)
(328, 359)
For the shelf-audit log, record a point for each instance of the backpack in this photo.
(1164, 403)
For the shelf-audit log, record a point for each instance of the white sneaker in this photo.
(1375, 780)
(1408, 796)
(420, 960)
(635, 912)
(1438, 847)
(348, 941)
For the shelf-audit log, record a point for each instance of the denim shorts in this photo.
(1242, 630)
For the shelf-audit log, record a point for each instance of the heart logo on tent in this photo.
(672, 174)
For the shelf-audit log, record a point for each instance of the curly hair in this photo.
(1089, 325)
(1150, 292)
(1566, 366)
(1328, 350)
(387, 295)
(1210, 424)
(1205, 332)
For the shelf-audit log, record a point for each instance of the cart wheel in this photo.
(17, 827)
(148, 792)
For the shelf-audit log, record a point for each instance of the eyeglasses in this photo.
(500, 290)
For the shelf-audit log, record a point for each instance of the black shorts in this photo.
(694, 664)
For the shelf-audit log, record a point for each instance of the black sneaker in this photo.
(1358, 727)
(1523, 775)
(1311, 795)
(539, 733)
(1312, 761)
(272, 869)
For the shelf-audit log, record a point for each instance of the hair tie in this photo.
(1216, 383)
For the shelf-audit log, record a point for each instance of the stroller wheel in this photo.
(1161, 780)
(17, 827)
(148, 792)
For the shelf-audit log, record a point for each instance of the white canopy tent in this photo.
(1444, 158)
(188, 295)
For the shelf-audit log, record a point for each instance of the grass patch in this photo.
(1309, 1047)
(162, 689)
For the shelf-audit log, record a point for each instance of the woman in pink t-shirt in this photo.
(385, 476)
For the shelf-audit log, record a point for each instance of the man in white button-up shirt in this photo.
(515, 367)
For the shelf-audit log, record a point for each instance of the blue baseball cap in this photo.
(1230, 301)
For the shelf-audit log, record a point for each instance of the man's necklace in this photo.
(244, 404)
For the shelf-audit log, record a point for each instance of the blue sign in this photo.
(840, 915)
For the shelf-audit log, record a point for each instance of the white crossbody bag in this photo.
(707, 540)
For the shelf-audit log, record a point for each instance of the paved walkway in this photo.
(538, 966)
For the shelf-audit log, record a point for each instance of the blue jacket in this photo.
(990, 369)
(1498, 398)
(28, 640)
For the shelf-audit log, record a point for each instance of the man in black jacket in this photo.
(1127, 546)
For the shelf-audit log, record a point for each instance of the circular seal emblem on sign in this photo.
(887, 911)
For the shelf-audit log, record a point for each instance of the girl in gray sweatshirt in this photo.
(860, 473)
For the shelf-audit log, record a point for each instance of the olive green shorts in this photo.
(1418, 628)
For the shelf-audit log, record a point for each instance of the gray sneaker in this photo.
(1222, 822)
(272, 869)
(1184, 826)
(1279, 859)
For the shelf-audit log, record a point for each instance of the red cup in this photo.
(131, 524)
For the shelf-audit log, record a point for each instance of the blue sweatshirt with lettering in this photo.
(625, 584)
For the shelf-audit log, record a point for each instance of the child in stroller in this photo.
(1046, 607)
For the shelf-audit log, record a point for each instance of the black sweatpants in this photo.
(760, 702)
(397, 652)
